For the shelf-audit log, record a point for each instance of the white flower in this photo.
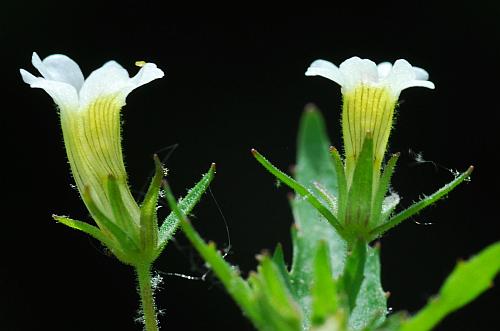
(354, 72)
(64, 82)
(370, 93)
(90, 120)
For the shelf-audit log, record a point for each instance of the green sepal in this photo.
(466, 282)
(127, 243)
(89, 229)
(341, 183)
(324, 289)
(360, 193)
(383, 188)
(149, 220)
(417, 207)
(186, 204)
(301, 190)
(94, 232)
(121, 214)
(353, 275)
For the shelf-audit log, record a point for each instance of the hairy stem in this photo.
(147, 300)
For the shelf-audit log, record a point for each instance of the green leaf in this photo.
(371, 302)
(392, 323)
(297, 187)
(171, 223)
(466, 282)
(415, 208)
(234, 284)
(279, 261)
(276, 303)
(324, 290)
(353, 275)
(314, 164)
(383, 187)
(149, 220)
(360, 193)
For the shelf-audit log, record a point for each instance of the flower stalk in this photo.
(147, 298)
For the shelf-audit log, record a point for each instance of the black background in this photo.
(234, 81)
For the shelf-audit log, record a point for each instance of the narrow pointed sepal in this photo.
(301, 190)
(148, 219)
(360, 193)
(381, 191)
(121, 214)
(126, 243)
(341, 182)
(96, 233)
(89, 229)
(417, 207)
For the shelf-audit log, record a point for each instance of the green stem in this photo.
(147, 300)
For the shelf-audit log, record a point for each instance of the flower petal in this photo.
(418, 83)
(358, 71)
(60, 68)
(64, 94)
(420, 73)
(384, 69)
(110, 79)
(146, 74)
(403, 76)
(113, 80)
(326, 69)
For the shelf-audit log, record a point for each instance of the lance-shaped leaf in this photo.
(371, 302)
(353, 275)
(466, 282)
(276, 305)
(417, 207)
(300, 189)
(228, 275)
(279, 261)
(185, 205)
(324, 290)
(313, 165)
